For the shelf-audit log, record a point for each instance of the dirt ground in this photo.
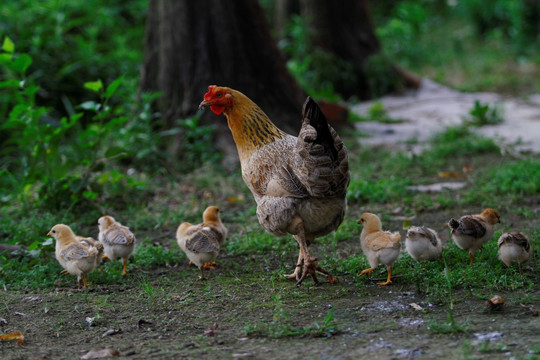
(166, 313)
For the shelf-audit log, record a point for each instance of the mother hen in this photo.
(299, 183)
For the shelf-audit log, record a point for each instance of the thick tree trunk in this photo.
(345, 29)
(193, 44)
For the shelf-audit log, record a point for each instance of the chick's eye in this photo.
(54, 231)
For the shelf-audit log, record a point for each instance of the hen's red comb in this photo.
(209, 93)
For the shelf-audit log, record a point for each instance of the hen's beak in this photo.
(204, 103)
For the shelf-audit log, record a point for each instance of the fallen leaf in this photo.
(467, 168)
(3, 321)
(415, 306)
(19, 313)
(438, 187)
(111, 332)
(450, 174)
(496, 303)
(212, 330)
(332, 280)
(100, 353)
(13, 336)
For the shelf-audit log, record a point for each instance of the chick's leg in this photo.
(124, 261)
(389, 269)
(471, 256)
(201, 278)
(366, 271)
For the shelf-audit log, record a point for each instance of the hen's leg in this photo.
(298, 270)
(310, 263)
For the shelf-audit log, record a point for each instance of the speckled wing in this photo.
(468, 225)
(74, 252)
(320, 163)
(427, 234)
(203, 239)
(517, 238)
(118, 235)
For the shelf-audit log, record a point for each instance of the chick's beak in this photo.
(204, 103)
(49, 234)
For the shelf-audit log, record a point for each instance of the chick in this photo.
(422, 243)
(379, 246)
(514, 246)
(75, 257)
(470, 232)
(202, 242)
(117, 240)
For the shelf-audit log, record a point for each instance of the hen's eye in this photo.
(218, 94)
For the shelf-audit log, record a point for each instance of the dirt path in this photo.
(433, 107)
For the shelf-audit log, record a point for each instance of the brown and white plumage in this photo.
(91, 242)
(470, 232)
(379, 246)
(514, 246)
(118, 241)
(201, 243)
(299, 183)
(75, 257)
(422, 243)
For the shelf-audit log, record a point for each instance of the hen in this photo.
(75, 257)
(201, 243)
(379, 246)
(422, 243)
(117, 240)
(470, 232)
(514, 246)
(299, 183)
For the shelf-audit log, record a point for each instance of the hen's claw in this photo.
(311, 267)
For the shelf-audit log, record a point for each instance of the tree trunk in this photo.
(345, 29)
(192, 44)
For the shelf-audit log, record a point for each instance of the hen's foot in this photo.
(311, 267)
(296, 274)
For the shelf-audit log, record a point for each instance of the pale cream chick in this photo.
(470, 232)
(201, 243)
(91, 242)
(380, 247)
(422, 243)
(75, 257)
(118, 241)
(299, 182)
(514, 246)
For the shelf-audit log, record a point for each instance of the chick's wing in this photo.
(74, 252)
(202, 239)
(468, 225)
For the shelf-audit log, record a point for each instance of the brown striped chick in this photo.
(514, 246)
(378, 246)
(201, 243)
(75, 257)
(470, 232)
(118, 241)
(422, 243)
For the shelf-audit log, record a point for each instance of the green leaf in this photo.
(9, 84)
(5, 58)
(8, 45)
(21, 63)
(94, 85)
(111, 89)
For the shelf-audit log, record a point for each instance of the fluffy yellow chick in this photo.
(514, 246)
(379, 246)
(422, 243)
(117, 240)
(75, 257)
(201, 243)
(470, 232)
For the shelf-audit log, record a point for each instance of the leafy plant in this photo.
(484, 114)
